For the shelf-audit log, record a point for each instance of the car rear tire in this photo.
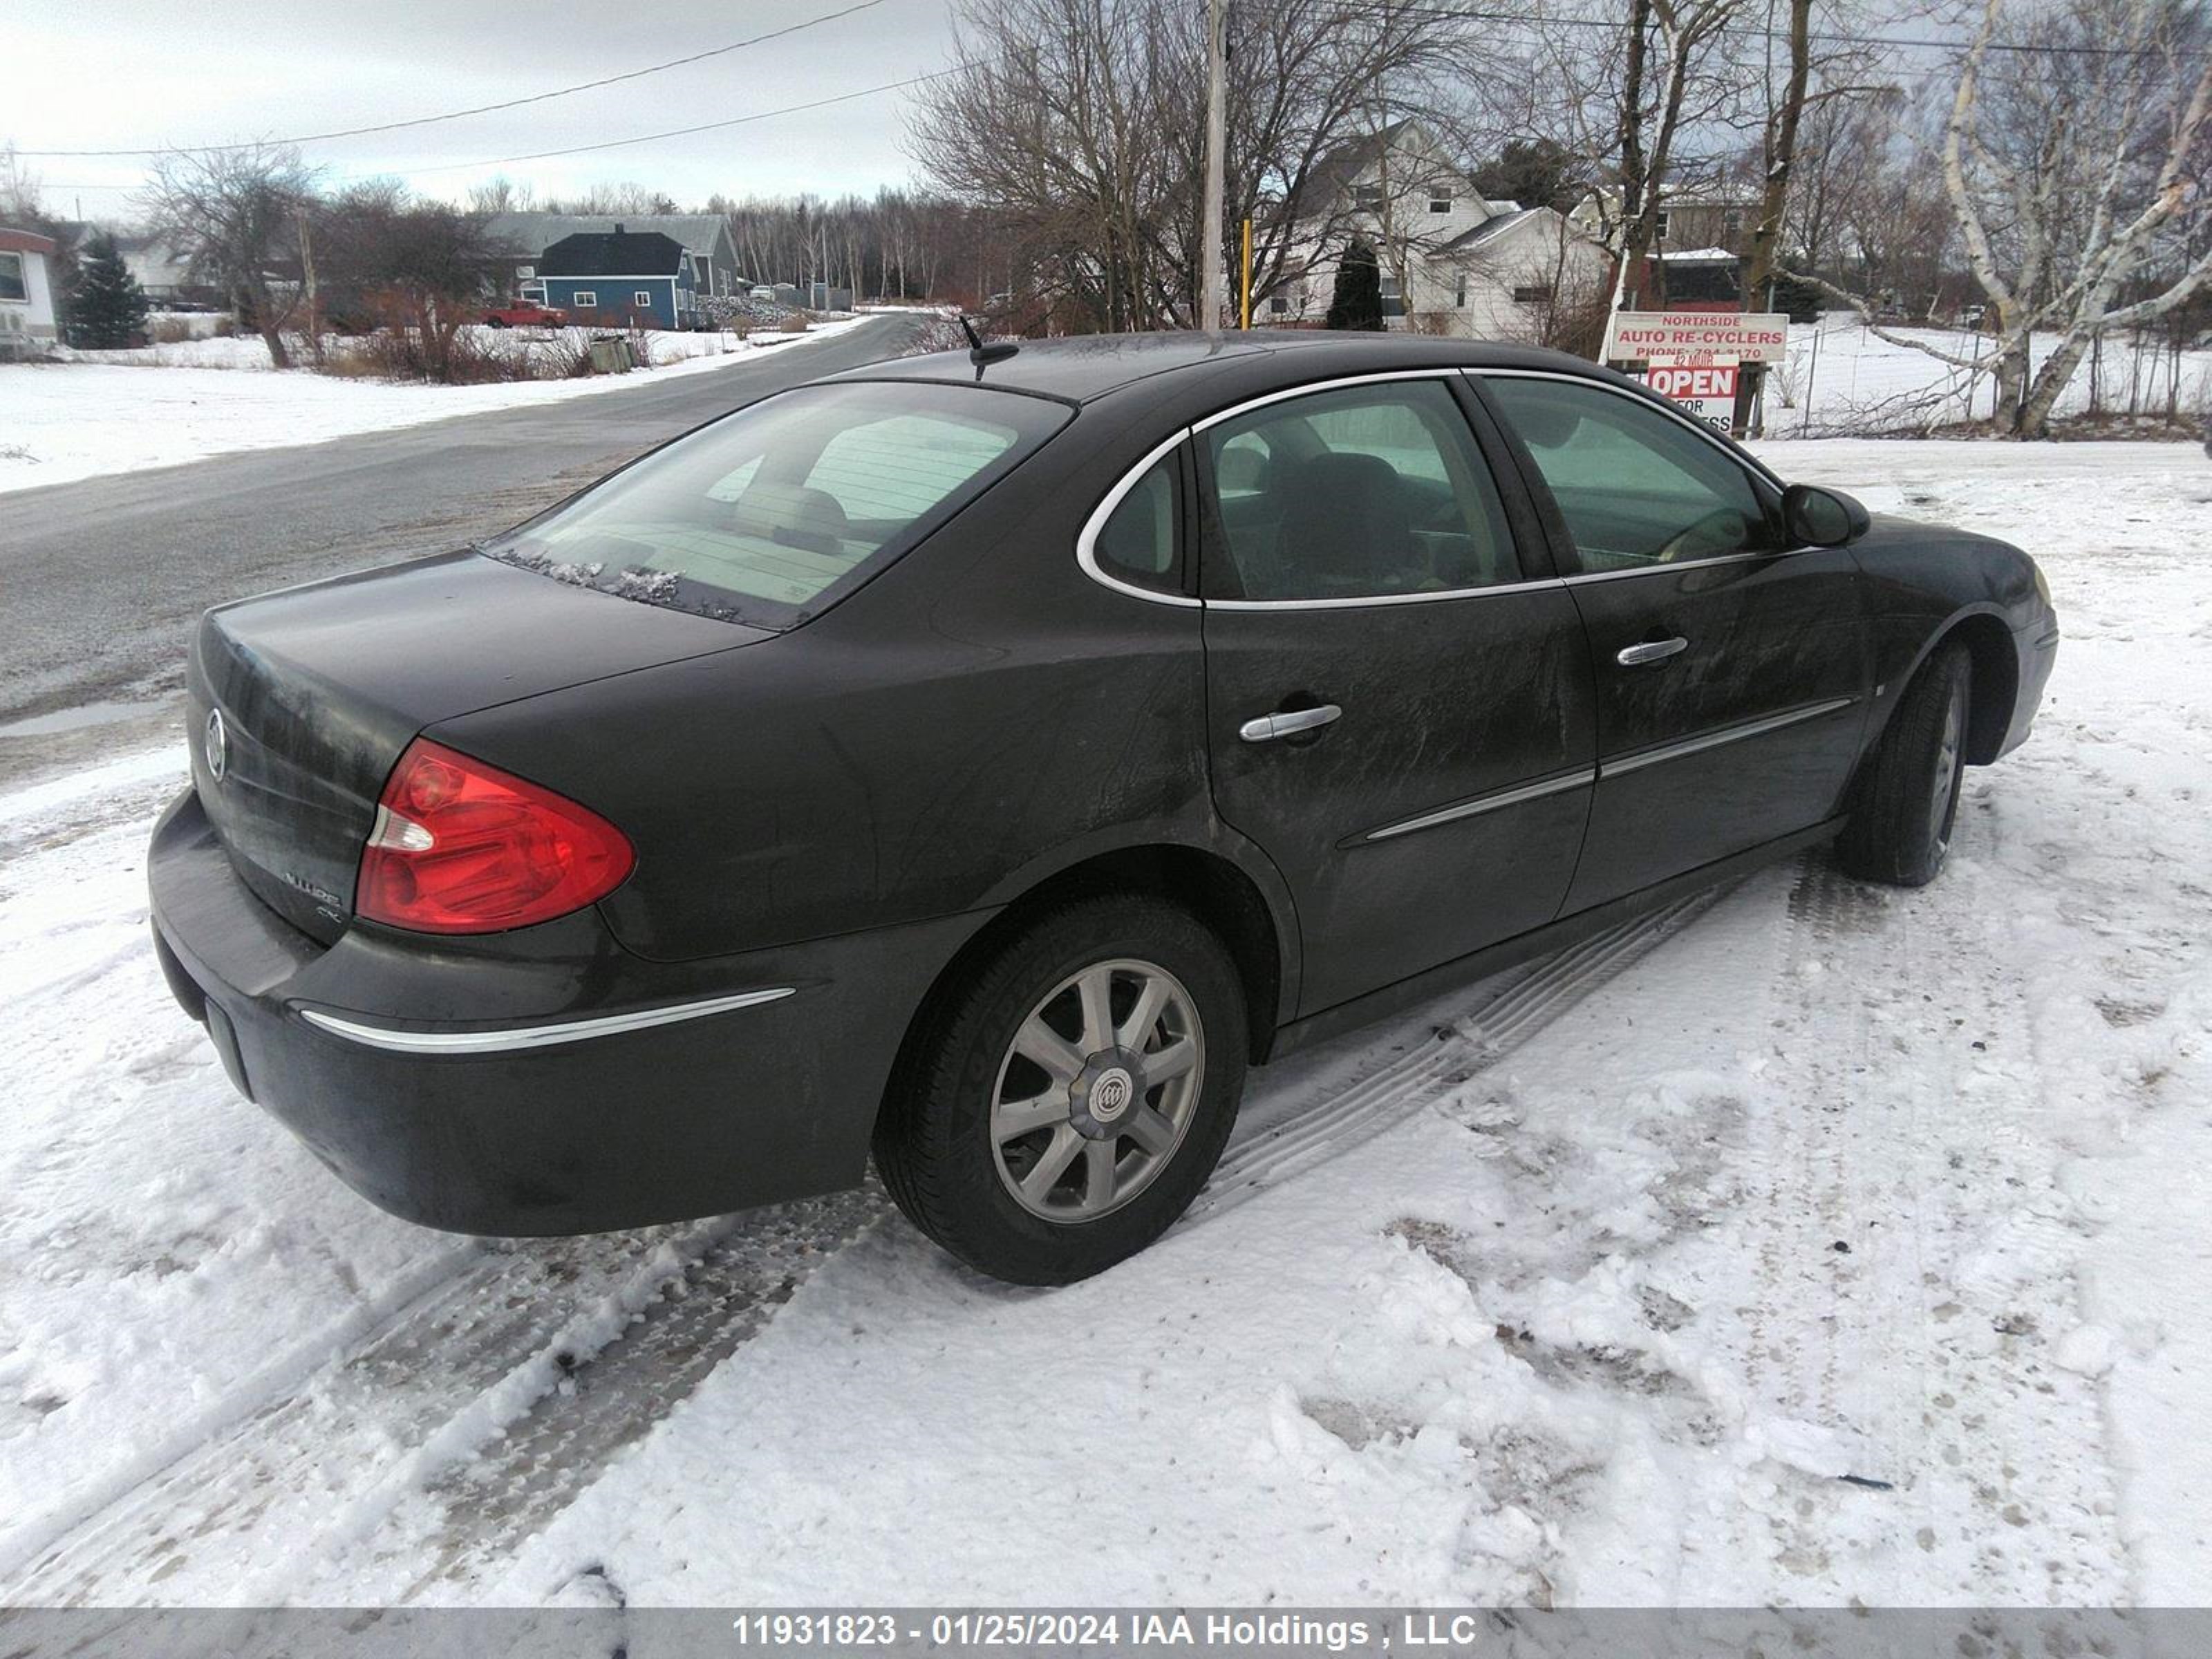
(1908, 797)
(1056, 1112)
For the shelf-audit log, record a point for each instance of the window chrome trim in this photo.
(1662, 568)
(1521, 586)
(1739, 457)
(1379, 377)
(1086, 540)
(1481, 803)
(533, 1037)
(1724, 735)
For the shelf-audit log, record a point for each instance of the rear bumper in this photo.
(544, 1081)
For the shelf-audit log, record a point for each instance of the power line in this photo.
(480, 109)
(704, 126)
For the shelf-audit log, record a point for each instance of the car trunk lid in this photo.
(301, 701)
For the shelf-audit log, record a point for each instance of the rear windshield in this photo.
(773, 514)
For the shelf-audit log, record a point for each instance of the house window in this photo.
(584, 298)
(12, 286)
(1459, 291)
(1531, 294)
(524, 273)
(1278, 305)
(643, 298)
(1440, 204)
(533, 291)
(1367, 197)
(1660, 225)
(1732, 221)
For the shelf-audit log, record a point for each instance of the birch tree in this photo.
(2073, 159)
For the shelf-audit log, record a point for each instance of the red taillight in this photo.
(463, 847)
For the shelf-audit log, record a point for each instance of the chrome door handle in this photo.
(1289, 722)
(1635, 656)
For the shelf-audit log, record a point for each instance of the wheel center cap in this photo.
(1106, 1095)
(1111, 1093)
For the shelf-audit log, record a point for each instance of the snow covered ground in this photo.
(1842, 378)
(1806, 1244)
(104, 412)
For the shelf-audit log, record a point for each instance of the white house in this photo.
(1452, 261)
(27, 292)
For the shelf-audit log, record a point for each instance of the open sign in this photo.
(1687, 385)
(1704, 390)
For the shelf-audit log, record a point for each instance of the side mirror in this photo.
(1822, 518)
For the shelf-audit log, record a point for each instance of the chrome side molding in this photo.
(1698, 744)
(531, 1036)
(1467, 809)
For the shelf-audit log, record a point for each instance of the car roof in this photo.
(1085, 368)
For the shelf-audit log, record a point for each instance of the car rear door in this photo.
(1400, 705)
(1731, 668)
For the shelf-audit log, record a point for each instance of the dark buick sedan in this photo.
(982, 762)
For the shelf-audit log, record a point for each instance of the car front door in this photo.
(1398, 701)
(1731, 668)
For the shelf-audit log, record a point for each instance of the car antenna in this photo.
(978, 353)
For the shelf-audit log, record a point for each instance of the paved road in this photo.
(103, 578)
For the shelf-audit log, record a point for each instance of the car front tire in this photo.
(1907, 798)
(1056, 1112)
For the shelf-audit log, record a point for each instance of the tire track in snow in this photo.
(463, 1425)
(471, 1364)
(1911, 1188)
(1460, 1050)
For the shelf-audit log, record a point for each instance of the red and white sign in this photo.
(1748, 336)
(1704, 390)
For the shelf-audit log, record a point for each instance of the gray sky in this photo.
(111, 74)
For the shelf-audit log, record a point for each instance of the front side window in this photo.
(1139, 541)
(1366, 492)
(1635, 486)
(12, 286)
(771, 514)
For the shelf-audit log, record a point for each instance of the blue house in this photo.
(621, 279)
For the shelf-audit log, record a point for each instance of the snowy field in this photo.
(1808, 1244)
(104, 412)
(1842, 378)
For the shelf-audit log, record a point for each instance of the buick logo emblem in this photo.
(1110, 1094)
(216, 748)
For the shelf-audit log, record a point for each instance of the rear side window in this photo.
(1139, 542)
(1368, 492)
(776, 512)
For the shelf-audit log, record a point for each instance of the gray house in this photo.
(709, 250)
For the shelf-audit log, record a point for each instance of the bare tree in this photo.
(1080, 136)
(2073, 166)
(235, 216)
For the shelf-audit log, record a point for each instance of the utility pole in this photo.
(1217, 141)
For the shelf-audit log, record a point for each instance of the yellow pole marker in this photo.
(1245, 311)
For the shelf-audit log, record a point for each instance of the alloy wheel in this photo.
(1096, 1089)
(1943, 797)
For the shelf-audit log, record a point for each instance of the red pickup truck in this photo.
(526, 313)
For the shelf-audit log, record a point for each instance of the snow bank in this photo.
(100, 413)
